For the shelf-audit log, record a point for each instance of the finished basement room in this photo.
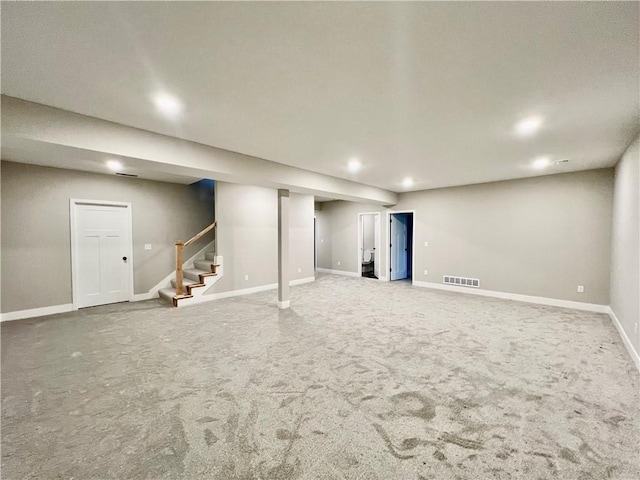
(320, 240)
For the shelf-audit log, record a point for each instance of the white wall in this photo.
(36, 239)
(248, 236)
(625, 244)
(368, 233)
(540, 236)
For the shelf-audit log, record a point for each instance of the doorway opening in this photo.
(401, 246)
(369, 245)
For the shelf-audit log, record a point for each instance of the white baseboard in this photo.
(285, 304)
(625, 339)
(554, 302)
(36, 312)
(245, 291)
(300, 281)
(337, 272)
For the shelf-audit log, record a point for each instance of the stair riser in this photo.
(195, 282)
(207, 266)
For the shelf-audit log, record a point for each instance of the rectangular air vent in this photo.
(127, 175)
(461, 281)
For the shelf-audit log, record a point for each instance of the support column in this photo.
(283, 249)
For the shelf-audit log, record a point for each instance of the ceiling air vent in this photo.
(461, 281)
(127, 175)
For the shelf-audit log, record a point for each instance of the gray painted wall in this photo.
(625, 243)
(248, 236)
(36, 245)
(340, 231)
(324, 244)
(540, 236)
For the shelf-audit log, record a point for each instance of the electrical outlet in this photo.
(246, 277)
(299, 270)
(426, 244)
(322, 240)
(147, 246)
(338, 262)
(426, 273)
(580, 288)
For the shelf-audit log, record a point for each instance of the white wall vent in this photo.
(461, 281)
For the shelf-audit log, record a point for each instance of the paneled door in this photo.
(101, 252)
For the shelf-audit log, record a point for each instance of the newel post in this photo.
(179, 248)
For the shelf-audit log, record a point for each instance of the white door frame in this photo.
(413, 242)
(378, 238)
(73, 204)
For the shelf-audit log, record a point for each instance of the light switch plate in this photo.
(147, 246)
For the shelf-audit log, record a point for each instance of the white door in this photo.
(398, 247)
(102, 254)
(376, 245)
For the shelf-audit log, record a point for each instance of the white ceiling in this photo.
(426, 90)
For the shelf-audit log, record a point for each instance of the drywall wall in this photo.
(301, 236)
(368, 233)
(323, 235)
(540, 236)
(625, 244)
(27, 125)
(36, 241)
(340, 230)
(248, 236)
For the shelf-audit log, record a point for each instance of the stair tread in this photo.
(171, 293)
(208, 262)
(193, 270)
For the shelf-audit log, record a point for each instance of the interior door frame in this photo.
(359, 246)
(74, 203)
(413, 242)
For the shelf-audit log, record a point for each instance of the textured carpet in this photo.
(360, 379)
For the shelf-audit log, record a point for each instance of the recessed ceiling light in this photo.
(407, 182)
(354, 165)
(168, 104)
(528, 126)
(114, 165)
(541, 162)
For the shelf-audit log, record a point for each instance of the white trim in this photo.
(300, 281)
(285, 304)
(242, 291)
(383, 279)
(554, 302)
(413, 240)
(73, 204)
(625, 339)
(36, 312)
(377, 237)
(166, 281)
(337, 272)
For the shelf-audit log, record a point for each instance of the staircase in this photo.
(189, 284)
(197, 280)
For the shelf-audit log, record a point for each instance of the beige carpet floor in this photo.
(360, 379)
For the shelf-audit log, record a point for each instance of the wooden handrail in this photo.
(197, 236)
(179, 249)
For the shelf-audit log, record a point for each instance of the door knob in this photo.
(124, 258)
